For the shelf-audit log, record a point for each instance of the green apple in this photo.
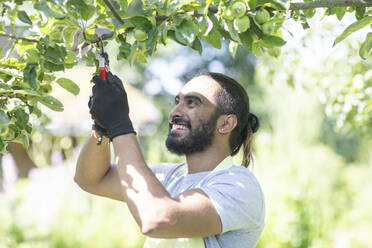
(238, 9)
(268, 28)
(262, 16)
(140, 35)
(242, 24)
(228, 14)
(4, 130)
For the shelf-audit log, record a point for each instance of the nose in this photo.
(177, 111)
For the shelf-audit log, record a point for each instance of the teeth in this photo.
(176, 126)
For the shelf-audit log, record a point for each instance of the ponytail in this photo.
(251, 127)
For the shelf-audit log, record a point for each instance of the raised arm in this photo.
(94, 173)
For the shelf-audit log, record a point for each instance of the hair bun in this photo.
(253, 122)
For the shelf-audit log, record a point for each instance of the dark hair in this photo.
(233, 99)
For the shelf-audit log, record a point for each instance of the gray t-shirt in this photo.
(236, 195)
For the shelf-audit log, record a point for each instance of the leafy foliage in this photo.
(50, 36)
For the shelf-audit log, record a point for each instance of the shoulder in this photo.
(236, 176)
(237, 196)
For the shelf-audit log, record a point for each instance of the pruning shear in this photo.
(103, 66)
(103, 62)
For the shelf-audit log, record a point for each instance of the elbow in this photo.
(159, 225)
(80, 183)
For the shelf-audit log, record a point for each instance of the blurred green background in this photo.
(312, 152)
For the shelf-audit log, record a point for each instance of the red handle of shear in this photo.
(102, 68)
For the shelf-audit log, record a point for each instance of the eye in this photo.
(191, 102)
(176, 100)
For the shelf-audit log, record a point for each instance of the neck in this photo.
(206, 160)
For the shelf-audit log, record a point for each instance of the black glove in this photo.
(110, 106)
(101, 131)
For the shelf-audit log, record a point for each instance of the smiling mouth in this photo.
(179, 125)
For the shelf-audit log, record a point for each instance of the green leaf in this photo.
(105, 23)
(164, 32)
(340, 12)
(68, 85)
(366, 46)
(185, 33)
(4, 119)
(353, 27)
(359, 12)
(55, 55)
(196, 45)
(309, 12)
(213, 38)
(141, 22)
(234, 34)
(78, 6)
(43, 7)
(68, 35)
(233, 47)
(151, 42)
(29, 76)
(272, 41)
(22, 15)
(252, 4)
(246, 40)
(51, 102)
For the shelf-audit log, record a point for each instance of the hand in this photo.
(109, 106)
(101, 131)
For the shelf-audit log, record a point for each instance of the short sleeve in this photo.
(163, 171)
(237, 197)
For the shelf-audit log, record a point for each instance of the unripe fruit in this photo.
(268, 28)
(242, 24)
(228, 14)
(140, 35)
(262, 16)
(238, 9)
(46, 88)
(4, 130)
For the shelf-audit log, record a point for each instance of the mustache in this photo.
(181, 121)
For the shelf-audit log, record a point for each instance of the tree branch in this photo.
(330, 4)
(18, 38)
(109, 5)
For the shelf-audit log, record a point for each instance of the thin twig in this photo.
(102, 37)
(109, 5)
(18, 38)
(330, 4)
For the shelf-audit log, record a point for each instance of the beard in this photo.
(197, 140)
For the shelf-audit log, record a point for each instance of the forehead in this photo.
(203, 86)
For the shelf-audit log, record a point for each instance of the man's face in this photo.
(192, 122)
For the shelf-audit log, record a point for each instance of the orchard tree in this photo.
(47, 36)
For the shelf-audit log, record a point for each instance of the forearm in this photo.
(146, 197)
(93, 162)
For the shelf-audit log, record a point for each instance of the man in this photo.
(205, 202)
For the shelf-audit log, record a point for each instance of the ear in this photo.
(226, 123)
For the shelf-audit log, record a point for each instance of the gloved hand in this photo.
(109, 106)
(97, 127)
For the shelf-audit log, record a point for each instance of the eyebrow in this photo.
(190, 96)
